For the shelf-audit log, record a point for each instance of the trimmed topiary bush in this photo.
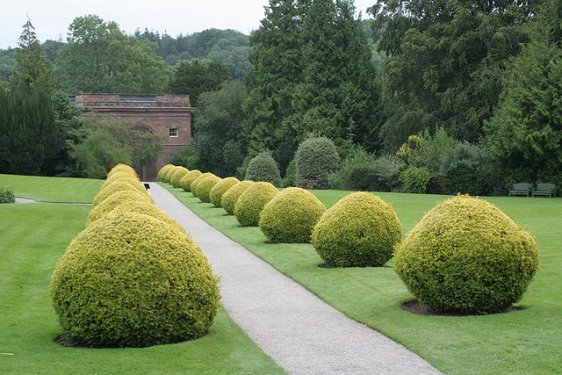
(7, 195)
(133, 281)
(122, 168)
(177, 176)
(187, 180)
(162, 172)
(263, 167)
(196, 182)
(229, 199)
(118, 197)
(143, 208)
(316, 159)
(168, 175)
(220, 188)
(360, 230)
(467, 256)
(252, 201)
(291, 215)
(121, 181)
(115, 186)
(204, 187)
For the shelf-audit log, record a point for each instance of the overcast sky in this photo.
(51, 18)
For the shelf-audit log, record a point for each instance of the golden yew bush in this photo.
(252, 201)
(113, 200)
(467, 256)
(131, 280)
(220, 188)
(187, 180)
(177, 176)
(204, 187)
(162, 172)
(230, 197)
(196, 182)
(291, 215)
(360, 230)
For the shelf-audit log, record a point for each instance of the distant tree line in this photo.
(427, 96)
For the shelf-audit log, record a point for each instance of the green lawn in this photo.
(32, 238)
(522, 342)
(60, 189)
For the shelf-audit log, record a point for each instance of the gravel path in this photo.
(299, 331)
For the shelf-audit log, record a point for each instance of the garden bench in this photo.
(544, 190)
(521, 188)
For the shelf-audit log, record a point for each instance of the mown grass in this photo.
(522, 342)
(32, 238)
(59, 189)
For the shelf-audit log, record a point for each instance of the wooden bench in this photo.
(544, 190)
(522, 188)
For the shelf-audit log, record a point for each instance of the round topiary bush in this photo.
(115, 186)
(168, 175)
(252, 201)
(177, 176)
(204, 187)
(263, 167)
(122, 168)
(220, 188)
(7, 195)
(291, 215)
(121, 181)
(230, 197)
(196, 182)
(187, 180)
(316, 159)
(115, 199)
(360, 230)
(467, 256)
(133, 281)
(163, 171)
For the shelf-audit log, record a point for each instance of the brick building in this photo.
(167, 116)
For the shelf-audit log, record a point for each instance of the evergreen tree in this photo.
(338, 96)
(277, 68)
(33, 68)
(196, 77)
(28, 133)
(525, 133)
(445, 62)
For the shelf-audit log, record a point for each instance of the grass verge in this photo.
(32, 238)
(523, 342)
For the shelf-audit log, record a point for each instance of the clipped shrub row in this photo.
(465, 256)
(133, 277)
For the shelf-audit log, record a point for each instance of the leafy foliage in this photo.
(316, 159)
(218, 144)
(290, 216)
(7, 195)
(204, 187)
(29, 137)
(195, 184)
(98, 57)
(445, 61)
(525, 133)
(189, 178)
(230, 197)
(252, 201)
(220, 188)
(196, 77)
(262, 167)
(415, 180)
(156, 263)
(360, 230)
(178, 174)
(467, 256)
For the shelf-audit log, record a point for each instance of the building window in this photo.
(173, 132)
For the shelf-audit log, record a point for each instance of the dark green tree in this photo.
(219, 145)
(33, 68)
(337, 97)
(196, 77)
(445, 62)
(100, 58)
(525, 133)
(28, 133)
(277, 69)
